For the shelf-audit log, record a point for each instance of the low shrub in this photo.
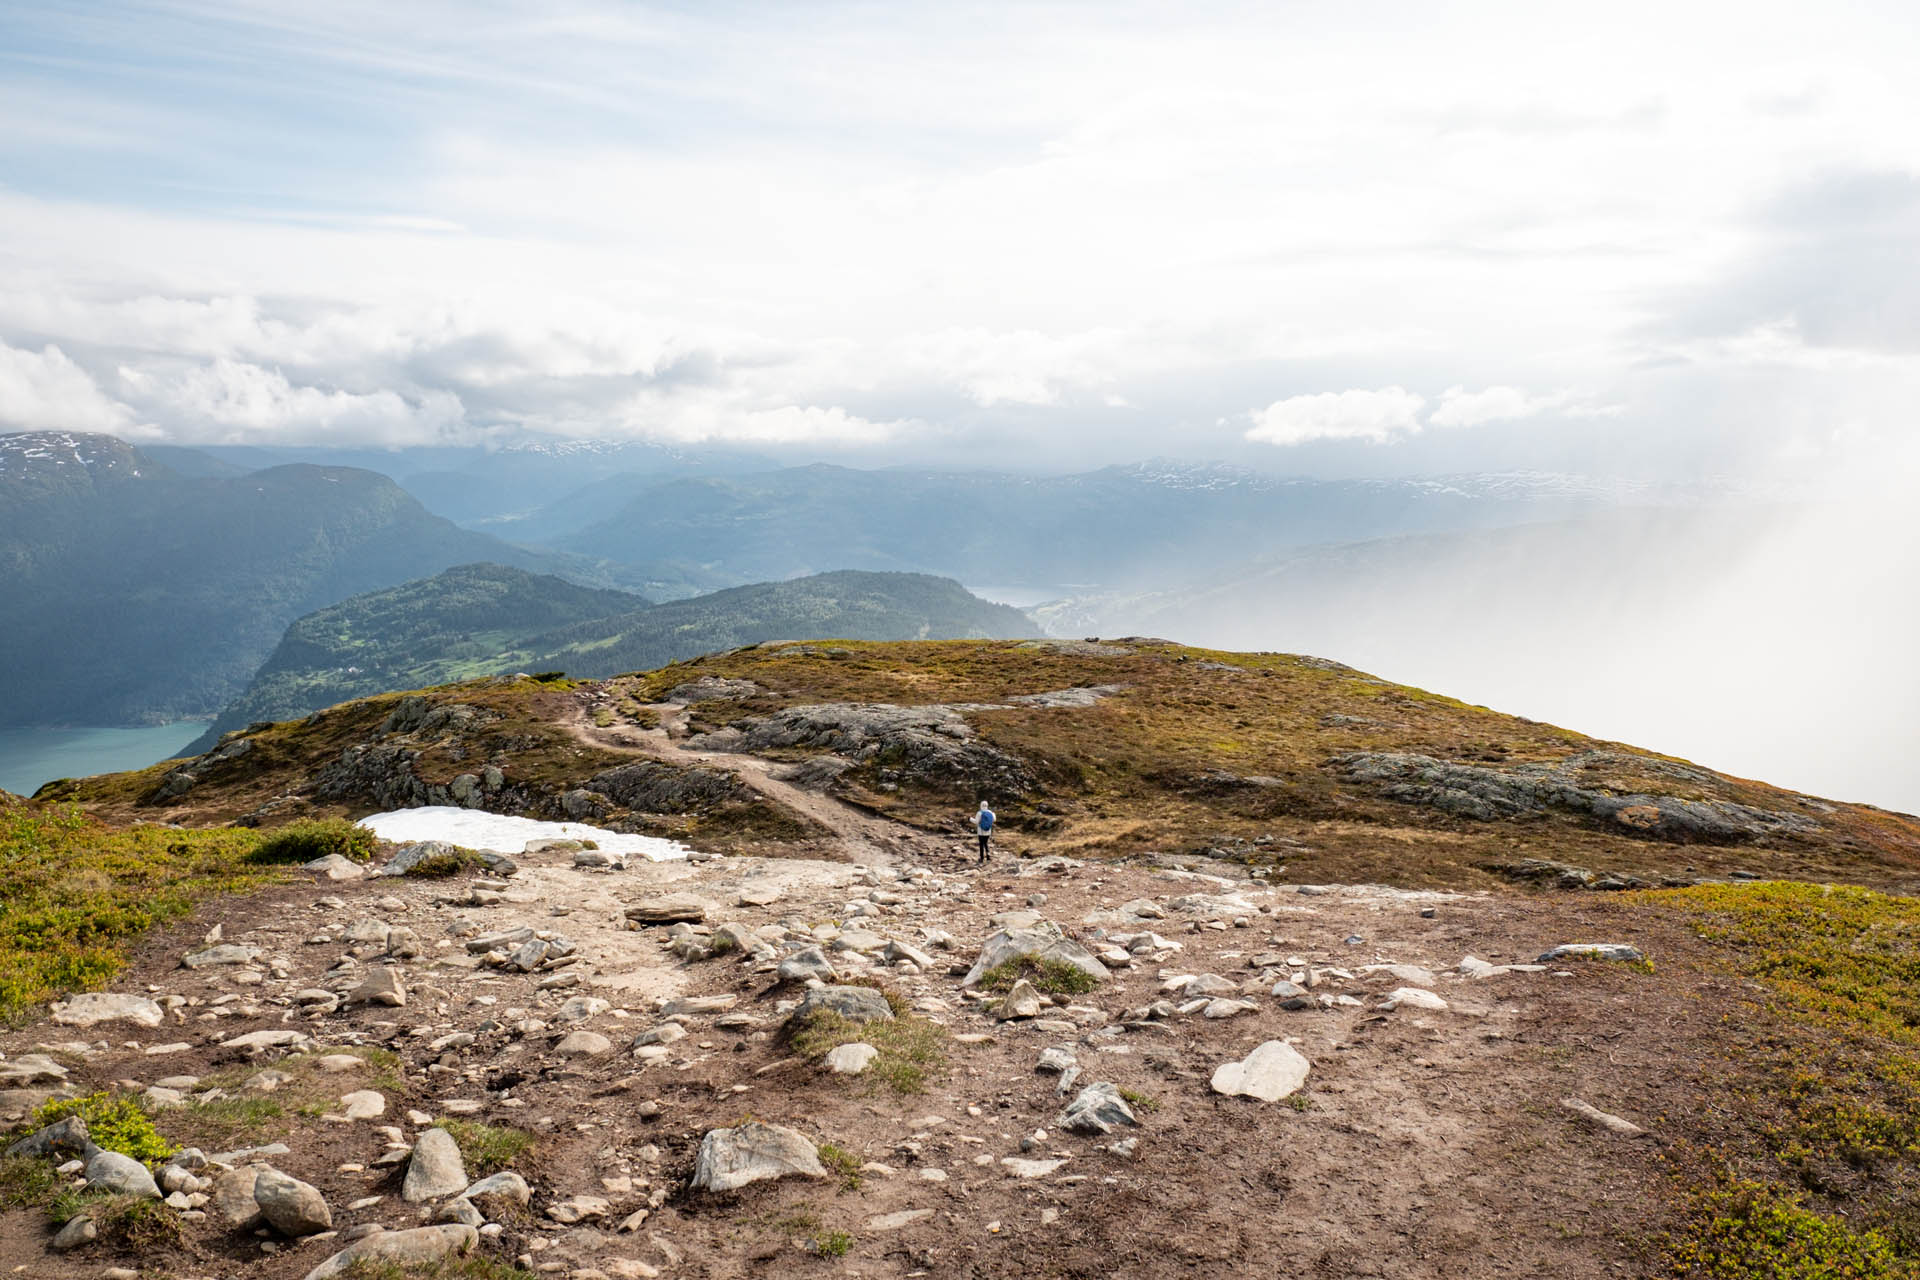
(115, 1121)
(312, 838)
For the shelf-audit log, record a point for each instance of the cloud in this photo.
(244, 402)
(45, 390)
(1460, 407)
(1377, 416)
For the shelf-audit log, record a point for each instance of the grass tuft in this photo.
(1054, 977)
(488, 1148)
(842, 1164)
(911, 1048)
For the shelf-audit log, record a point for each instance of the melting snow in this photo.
(473, 829)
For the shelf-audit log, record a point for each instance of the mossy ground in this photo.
(488, 1148)
(1054, 977)
(244, 1118)
(911, 1048)
(1808, 1167)
(75, 893)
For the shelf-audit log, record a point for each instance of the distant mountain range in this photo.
(487, 619)
(1154, 523)
(139, 594)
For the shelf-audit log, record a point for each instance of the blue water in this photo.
(29, 758)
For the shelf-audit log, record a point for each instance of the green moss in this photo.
(488, 1148)
(304, 841)
(115, 1121)
(1810, 1182)
(1144, 1103)
(1055, 977)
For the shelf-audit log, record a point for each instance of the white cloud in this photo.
(1376, 416)
(1460, 407)
(45, 390)
(244, 402)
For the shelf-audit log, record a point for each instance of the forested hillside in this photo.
(486, 619)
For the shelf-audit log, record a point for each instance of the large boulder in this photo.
(63, 1137)
(92, 1007)
(1044, 942)
(415, 1247)
(754, 1152)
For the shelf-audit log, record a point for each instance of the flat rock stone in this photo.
(1269, 1073)
(1590, 951)
(1414, 997)
(275, 1038)
(895, 1221)
(754, 1152)
(30, 1069)
(412, 1247)
(506, 1186)
(335, 867)
(1020, 1168)
(664, 1034)
(758, 895)
(363, 1104)
(1603, 1119)
(581, 1008)
(1056, 1060)
(223, 954)
(855, 1004)
(92, 1007)
(851, 1059)
(583, 1044)
(435, 1168)
(668, 909)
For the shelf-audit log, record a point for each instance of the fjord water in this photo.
(31, 758)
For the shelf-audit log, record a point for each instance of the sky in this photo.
(1652, 240)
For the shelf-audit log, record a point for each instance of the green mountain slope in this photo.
(137, 594)
(486, 619)
(849, 604)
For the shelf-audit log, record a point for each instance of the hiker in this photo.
(983, 824)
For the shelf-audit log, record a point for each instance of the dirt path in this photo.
(858, 836)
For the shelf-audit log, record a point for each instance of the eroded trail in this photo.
(857, 836)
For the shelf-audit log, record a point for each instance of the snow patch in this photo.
(474, 829)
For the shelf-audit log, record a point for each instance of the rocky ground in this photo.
(1412, 1123)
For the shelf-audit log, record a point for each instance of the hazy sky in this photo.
(1334, 239)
